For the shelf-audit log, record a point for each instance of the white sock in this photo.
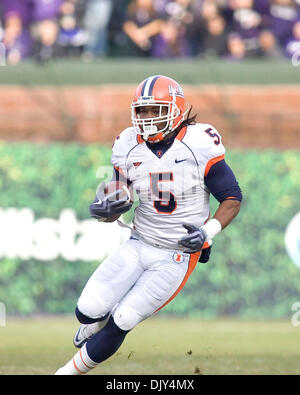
(81, 363)
(91, 329)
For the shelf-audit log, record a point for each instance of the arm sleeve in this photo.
(123, 144)
(119, 151)
(119, 176)
(222, 183)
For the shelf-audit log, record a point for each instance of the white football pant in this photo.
(135, 282)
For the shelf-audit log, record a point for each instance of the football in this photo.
(126, 190)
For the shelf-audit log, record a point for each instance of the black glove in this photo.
(205, 254)
(195, 238)
(106, 206)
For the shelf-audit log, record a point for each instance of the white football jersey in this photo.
(170, 187)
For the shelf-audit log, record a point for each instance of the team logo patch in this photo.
(136, 164)
(178, 258)
(177, 90)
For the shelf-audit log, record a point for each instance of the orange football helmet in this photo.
(167, 95)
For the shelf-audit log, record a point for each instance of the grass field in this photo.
(40, 345)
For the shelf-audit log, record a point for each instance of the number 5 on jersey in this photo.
(166, 203)
(215, 136)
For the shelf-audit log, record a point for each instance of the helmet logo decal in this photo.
(176, 91)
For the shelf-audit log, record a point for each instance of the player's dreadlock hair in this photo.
(190, 120)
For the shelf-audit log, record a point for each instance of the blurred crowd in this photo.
(230, 29)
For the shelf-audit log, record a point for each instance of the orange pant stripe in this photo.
(192, 264)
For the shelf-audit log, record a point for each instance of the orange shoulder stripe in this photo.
(211, 162)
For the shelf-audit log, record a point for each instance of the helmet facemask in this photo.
(160, 126)
(167, 96)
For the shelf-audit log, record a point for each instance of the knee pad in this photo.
(126, 318)
(83, 319)
(91, 308)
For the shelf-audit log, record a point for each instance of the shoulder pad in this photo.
(122, 145)
(202, 135)
(205, 142)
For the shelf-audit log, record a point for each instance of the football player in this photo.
(174, 164)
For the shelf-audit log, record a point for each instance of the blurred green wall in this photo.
(249, 274)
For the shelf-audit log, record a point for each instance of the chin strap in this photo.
(149, 130)
(157, 138)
